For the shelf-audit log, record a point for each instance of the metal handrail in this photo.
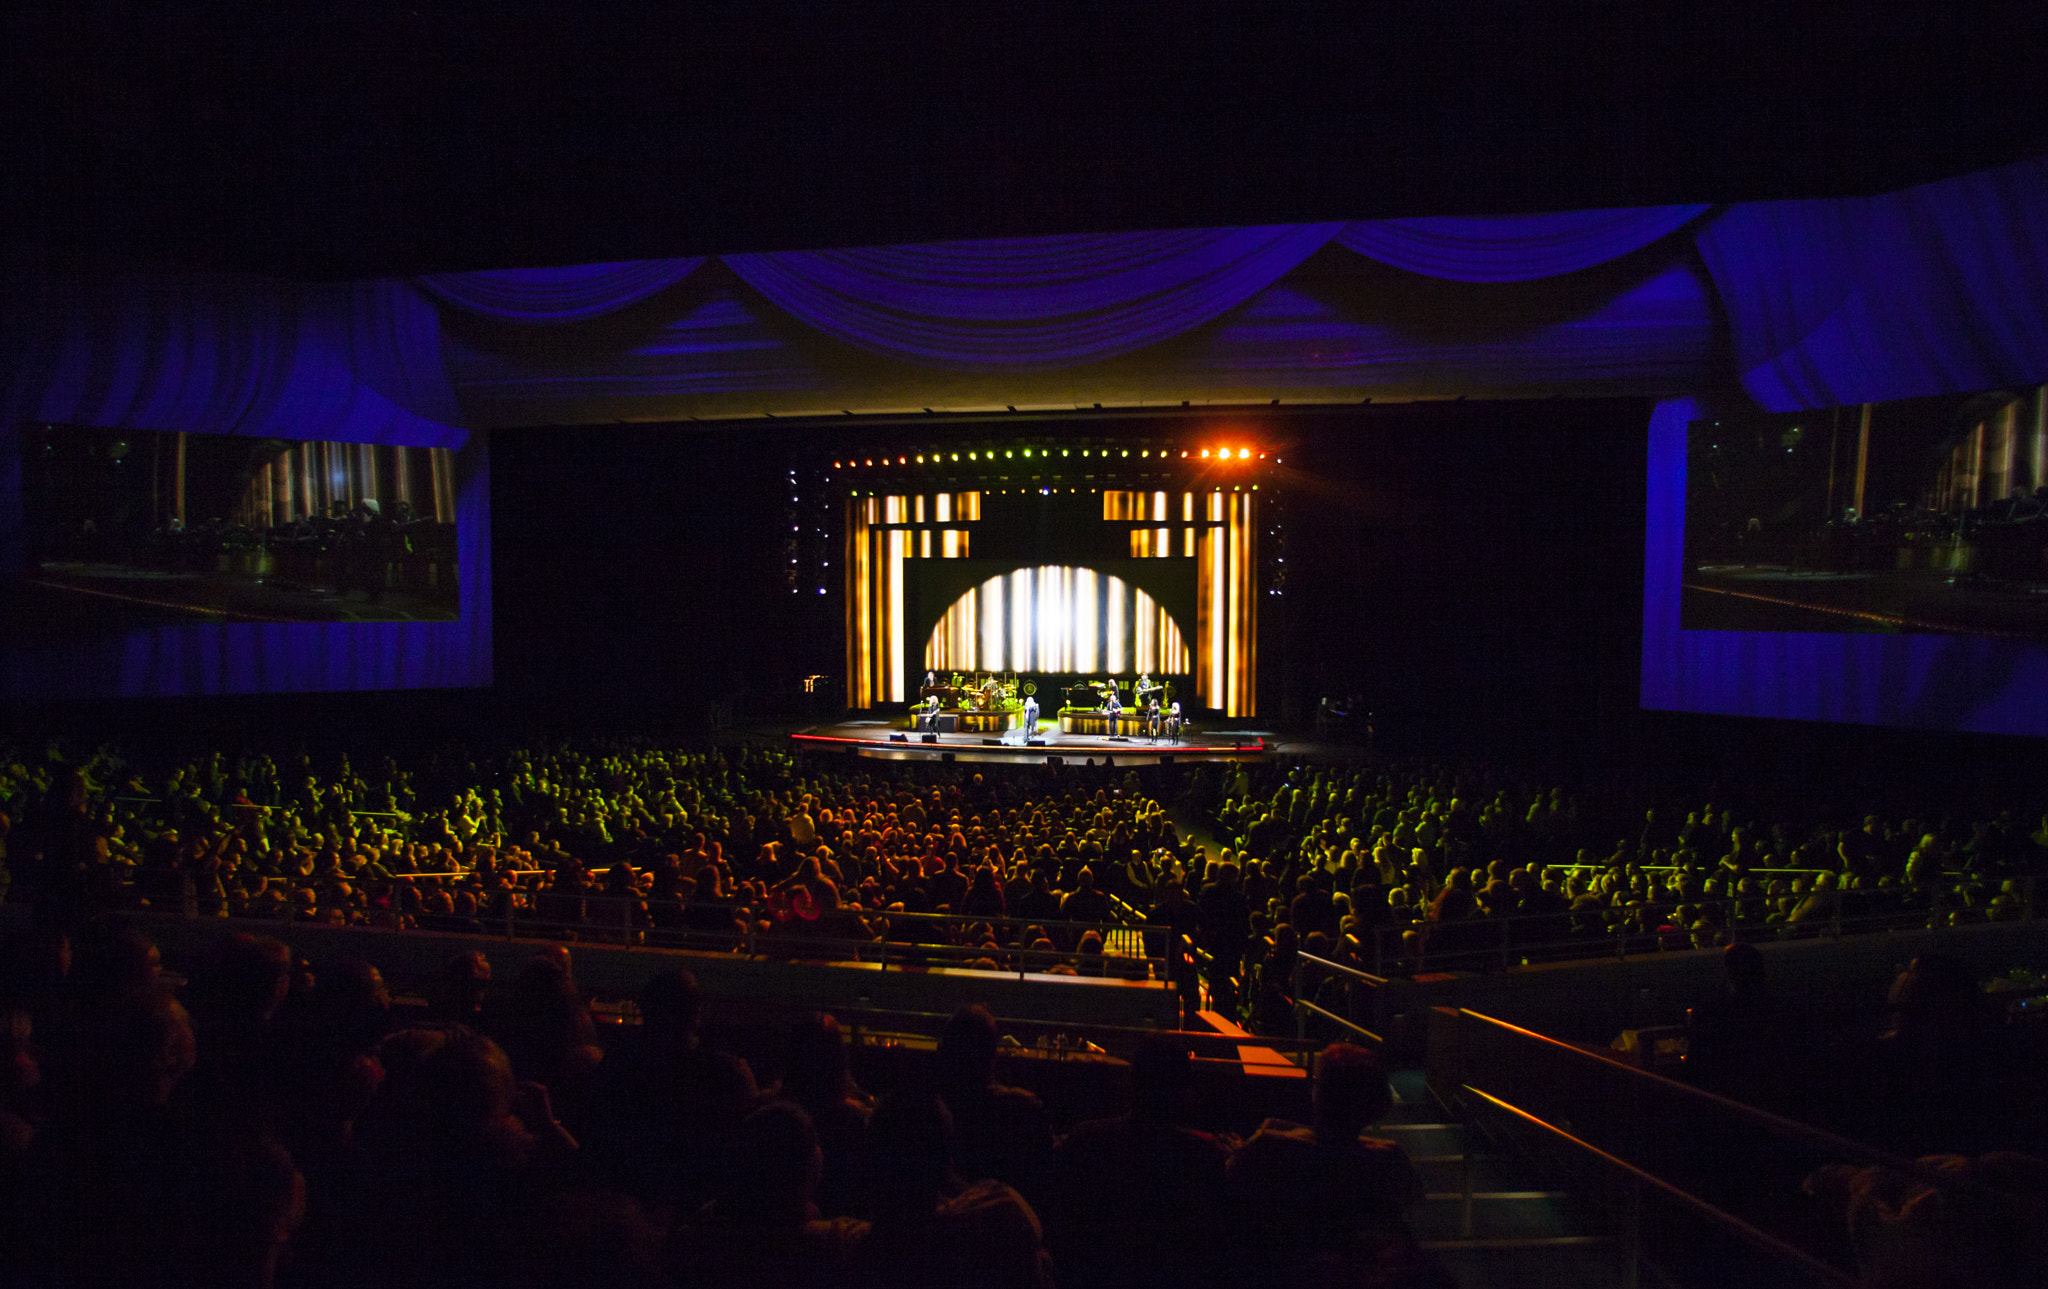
(614, 918)
(1304, 1005)
(1773, 1124)
(1726, 1221)
(1365, 976)
(1304, 1008)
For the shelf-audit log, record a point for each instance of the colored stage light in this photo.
(956, 456)
(1244, 454)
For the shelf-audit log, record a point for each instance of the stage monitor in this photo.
(1057, 563)
(1882, 563)
(152, 563)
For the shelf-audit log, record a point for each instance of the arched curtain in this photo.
(1028, 302)
(543, 297)
(1941, 288)
(1513, 249)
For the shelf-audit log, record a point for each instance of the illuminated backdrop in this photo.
(1049, 569)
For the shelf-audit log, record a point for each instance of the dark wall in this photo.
(1466, 568)
(636, 575)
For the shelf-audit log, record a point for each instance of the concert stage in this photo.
(878, 737)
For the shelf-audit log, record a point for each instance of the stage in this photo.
(878, 737)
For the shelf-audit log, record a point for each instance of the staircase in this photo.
(1491, 1227)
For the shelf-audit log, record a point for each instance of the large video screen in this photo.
(1883, 563)
(143, 563)
(1055, 565)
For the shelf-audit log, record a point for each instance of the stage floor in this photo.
(871, 737)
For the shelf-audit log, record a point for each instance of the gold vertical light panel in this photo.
(882, 534)
(1227, 599)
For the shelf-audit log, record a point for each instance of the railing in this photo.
(854, 934)
(1702, 1184)
(1351, 982)
(1482, 943)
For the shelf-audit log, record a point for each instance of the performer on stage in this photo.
(928, 717)
(1112, 707)
(1173, 724)
(1152, 718)
(1030, 716)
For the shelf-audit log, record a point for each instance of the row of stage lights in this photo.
(935, 458)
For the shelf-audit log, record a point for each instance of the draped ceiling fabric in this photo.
(717, 345)
(1658, 333)
(1942, 288)
(1035, 302)
(1518, 248)
(358, 363)
(546, 297)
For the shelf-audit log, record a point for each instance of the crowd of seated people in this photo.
(268, 1122)
(1378, 867)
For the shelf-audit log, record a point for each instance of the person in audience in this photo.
(816, 1075)
(664, 1107)
(1324, 1187)
(763, 1228)
(933, 1231)
(1000, 1132)
(1138, 1199)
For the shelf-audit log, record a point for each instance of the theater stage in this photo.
(871, 737)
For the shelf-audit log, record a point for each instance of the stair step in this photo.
(1423, 1138)
(1496, 1215)
(1581, 1262)
(1446, 1173)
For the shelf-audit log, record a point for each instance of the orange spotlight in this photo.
(1205, 454)
(1244, 454)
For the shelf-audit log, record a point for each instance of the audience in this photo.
(267, 1121)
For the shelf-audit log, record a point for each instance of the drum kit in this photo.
(981, 692)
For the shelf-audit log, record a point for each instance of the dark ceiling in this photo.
(342, 138)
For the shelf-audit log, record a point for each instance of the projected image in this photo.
(125, 530)
(1916, 516)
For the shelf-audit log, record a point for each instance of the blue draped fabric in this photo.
(718, 346)
(543, 297)
(1514, 249)
(214, 355)
(1035, 302)
(1653, 337)
(1937, 289)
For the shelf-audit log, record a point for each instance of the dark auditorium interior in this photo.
(739, 645)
